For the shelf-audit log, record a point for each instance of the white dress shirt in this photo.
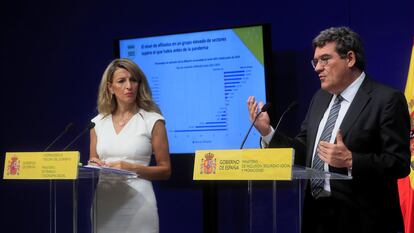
(348, 96)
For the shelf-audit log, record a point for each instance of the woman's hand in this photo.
(123, 165)
(96, 162)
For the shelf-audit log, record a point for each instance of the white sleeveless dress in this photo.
(126, 205)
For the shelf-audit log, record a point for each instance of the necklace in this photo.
(122, 117)
(123, 121)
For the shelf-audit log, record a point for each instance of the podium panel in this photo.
(120, 201)
(49, 206)
(71, 203)
(265, 206)
(41, 191)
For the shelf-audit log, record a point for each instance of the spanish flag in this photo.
(406, 185)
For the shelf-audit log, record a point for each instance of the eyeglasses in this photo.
(323, 60)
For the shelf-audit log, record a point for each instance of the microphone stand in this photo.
(249, 182)
(67, 128)
(91, 125)
(52, 184)
(250, 128)
(274, 184)
(264, 109)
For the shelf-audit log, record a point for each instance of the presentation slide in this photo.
(201, 81)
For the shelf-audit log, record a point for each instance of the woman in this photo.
(128, 130)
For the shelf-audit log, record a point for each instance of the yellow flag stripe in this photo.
(409, 87)
(409, 95)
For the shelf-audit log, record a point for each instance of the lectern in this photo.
(50, 197)
(287, 199)
(255, 190)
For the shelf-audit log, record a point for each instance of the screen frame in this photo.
(267, 51)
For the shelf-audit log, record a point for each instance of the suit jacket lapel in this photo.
(320, 106)
(360, 100)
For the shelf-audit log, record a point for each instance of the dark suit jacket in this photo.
(376, 130)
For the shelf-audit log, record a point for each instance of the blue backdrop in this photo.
(53, 54)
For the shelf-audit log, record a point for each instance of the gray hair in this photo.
(346, 40)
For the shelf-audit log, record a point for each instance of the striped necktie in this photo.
(318, 184)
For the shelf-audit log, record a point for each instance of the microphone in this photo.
(291, 106)
(264, 109)
(67, 128)
(91, 125)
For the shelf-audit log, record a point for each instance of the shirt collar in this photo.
(349, 93)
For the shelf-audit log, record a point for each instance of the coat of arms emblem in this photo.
(13, 167)
(208, 164)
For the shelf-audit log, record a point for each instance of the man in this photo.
(354, 126)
